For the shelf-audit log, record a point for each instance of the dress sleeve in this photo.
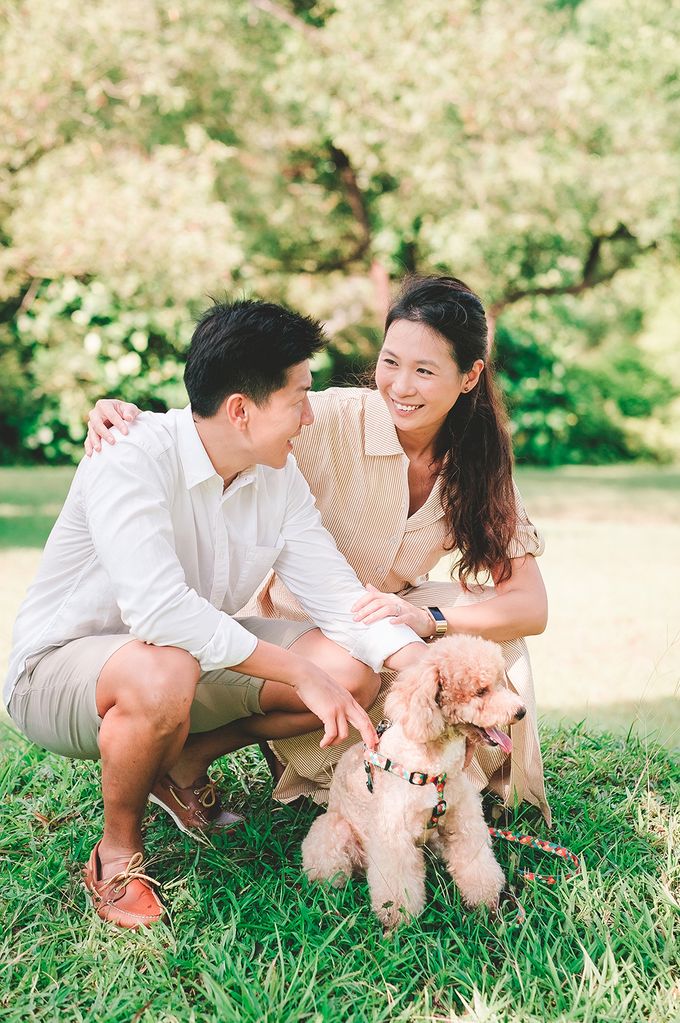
(527, 539)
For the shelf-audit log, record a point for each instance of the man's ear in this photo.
(236, 408)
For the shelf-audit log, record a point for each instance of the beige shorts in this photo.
(54, 701)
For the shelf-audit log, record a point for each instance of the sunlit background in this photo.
(154, 155)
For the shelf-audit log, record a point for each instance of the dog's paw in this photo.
(391, 915)
(482, 887)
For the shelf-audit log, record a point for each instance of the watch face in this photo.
(441, 624)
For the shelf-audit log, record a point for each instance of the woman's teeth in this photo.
(406, 408)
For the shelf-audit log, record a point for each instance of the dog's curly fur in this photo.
(434, 706)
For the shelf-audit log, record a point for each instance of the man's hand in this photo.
(336, 709)
(106, 413)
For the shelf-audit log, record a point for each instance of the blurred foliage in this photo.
(565, 412)
(311, 151)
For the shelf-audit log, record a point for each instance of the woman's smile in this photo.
(403, 408)
(414, 362)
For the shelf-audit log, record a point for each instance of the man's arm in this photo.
(135, 545)
(327, 587)
(134, 542)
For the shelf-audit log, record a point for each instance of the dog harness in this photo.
(374, 759)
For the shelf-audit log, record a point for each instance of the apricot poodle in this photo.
(385, 806)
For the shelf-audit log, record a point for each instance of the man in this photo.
(125, 647)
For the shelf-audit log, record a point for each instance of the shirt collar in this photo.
(196, 464)
(380, 435)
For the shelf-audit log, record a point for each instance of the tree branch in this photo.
(591, 275)
(287, 17)
(357, 204)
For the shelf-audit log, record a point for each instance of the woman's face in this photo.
(418, 377)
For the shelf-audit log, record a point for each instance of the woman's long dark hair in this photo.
(473, 447)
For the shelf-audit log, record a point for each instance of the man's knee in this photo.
(156, 684)
(362, 682)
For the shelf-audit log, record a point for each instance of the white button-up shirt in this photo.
(149, 543)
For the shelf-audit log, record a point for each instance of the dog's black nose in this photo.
(520, 714)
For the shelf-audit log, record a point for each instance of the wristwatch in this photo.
(440, 623)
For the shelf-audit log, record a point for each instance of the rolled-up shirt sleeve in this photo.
(527, 539)
(133, 540)
(326, 586)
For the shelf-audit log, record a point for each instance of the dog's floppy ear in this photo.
(412, 702)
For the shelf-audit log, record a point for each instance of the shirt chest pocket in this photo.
(253, 563)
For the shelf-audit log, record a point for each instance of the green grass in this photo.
(250, 940)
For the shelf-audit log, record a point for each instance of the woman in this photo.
(402, 475)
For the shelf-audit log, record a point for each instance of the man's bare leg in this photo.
(284, 713)
(144, 695)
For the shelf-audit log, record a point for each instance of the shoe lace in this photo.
(207, 795)
(133, 872)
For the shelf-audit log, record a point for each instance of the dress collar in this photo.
(380, 436)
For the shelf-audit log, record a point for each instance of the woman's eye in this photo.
(390, 362)
(421, 369)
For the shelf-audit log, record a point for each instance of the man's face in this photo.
(272, 426)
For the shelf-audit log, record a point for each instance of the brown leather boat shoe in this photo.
(196, 810)
(126, 899)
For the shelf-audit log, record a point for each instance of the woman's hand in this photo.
(108, 412)
(376, 605)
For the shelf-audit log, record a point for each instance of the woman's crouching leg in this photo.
(518, 776)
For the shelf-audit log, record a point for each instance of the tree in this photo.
(313, 152)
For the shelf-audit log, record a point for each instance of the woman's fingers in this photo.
(371, 593)
(107, 414)
(383, 608)
(112, 414)
(378, 615)
(92, 442)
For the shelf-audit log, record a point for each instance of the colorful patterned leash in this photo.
(530, 875)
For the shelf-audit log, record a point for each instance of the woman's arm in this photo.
(519, 607)
(108, 412)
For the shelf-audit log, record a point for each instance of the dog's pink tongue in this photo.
(503, 740)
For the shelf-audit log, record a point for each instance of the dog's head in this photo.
(459, 685)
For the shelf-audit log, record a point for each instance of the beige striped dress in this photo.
(358, 472)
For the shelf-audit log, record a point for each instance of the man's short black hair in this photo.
(246, 347)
